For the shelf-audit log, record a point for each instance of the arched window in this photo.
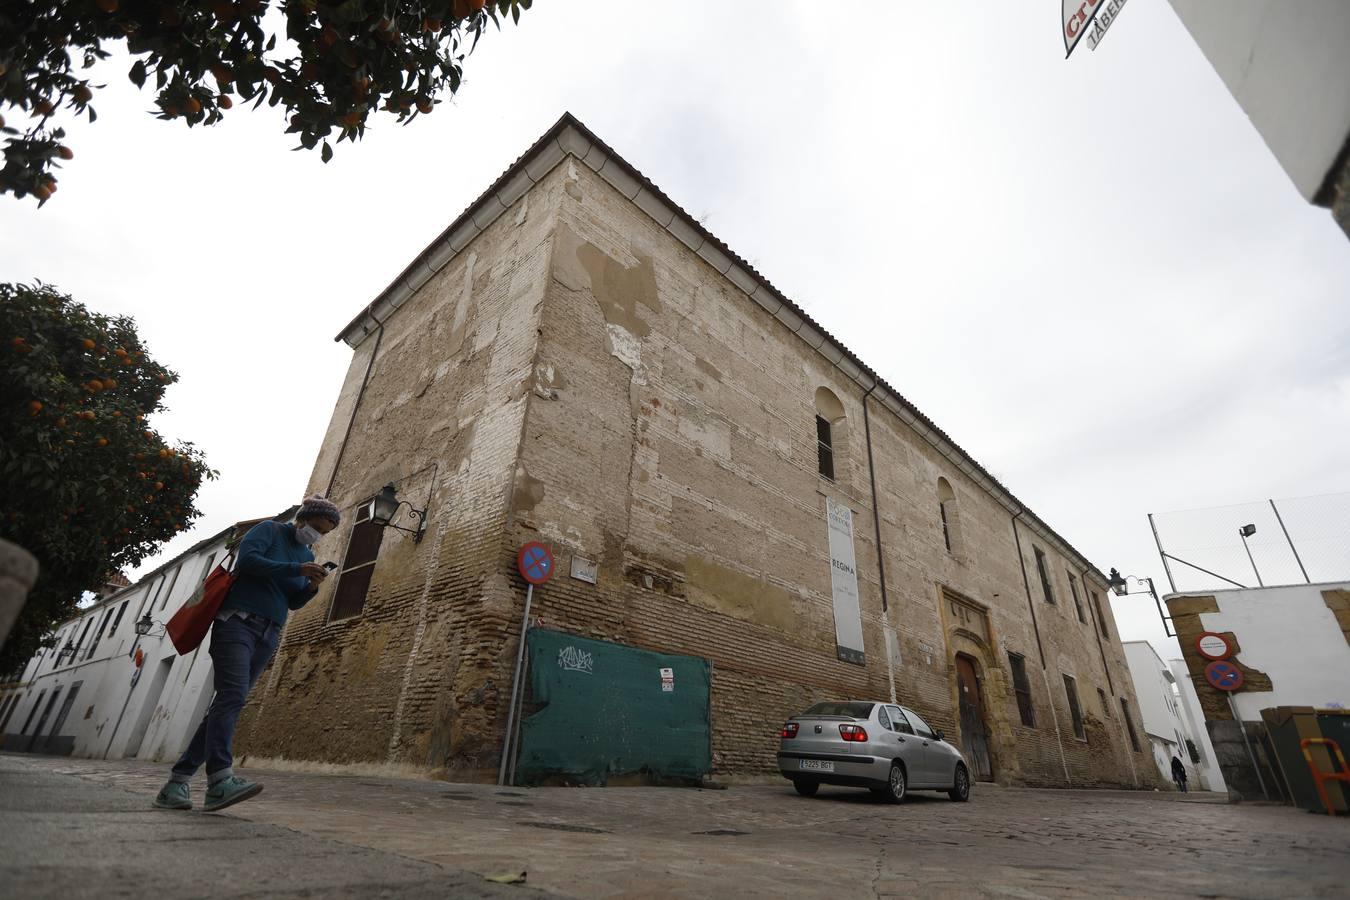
(951, 518)
(829, 413)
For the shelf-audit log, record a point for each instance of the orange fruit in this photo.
(44, 108)
(149, 435)
(109, 384)
(224, 102)
(193, 106)
(102, 442)
(61, 422)
(159, 485)
(34, 407)
(82, 94)
(163, 454)
(65, 153)
(42, 192)
(17, 342)
(94, 386)
(88, 344)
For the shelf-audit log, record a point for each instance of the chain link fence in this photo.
(1295, 540)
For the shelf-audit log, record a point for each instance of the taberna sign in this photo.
(1088, 18)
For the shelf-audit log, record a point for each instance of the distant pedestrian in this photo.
(276, 573)
(1179, 774)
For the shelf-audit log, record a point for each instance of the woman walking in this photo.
(276, 573)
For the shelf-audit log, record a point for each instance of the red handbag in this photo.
(187, 629)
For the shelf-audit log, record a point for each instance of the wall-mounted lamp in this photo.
(385, 507)
(67, 650)
(1119, 585)
(144, 625)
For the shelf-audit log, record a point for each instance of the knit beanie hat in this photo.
(319, 507)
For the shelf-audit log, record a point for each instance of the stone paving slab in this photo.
(764, 840)
(66, 838)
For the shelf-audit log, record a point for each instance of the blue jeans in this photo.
(240, 650)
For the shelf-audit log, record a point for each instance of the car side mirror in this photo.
(940, 735)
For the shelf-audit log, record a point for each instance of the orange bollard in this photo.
(1319, 776)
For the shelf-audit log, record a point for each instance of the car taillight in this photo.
(853, 733)
(789, 730)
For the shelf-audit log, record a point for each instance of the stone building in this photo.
(576, 360)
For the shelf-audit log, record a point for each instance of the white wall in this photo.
(1211, 776)
(1287, 63)
(1160, 709)
(114, 706)
(1290, 634)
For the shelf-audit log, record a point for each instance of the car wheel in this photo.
(960, 791)
(897, 784)
(806, 787)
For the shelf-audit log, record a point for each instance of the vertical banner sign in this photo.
(1077, 15)
(848, 636)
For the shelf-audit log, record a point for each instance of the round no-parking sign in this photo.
(535, 562)
(1224, 675)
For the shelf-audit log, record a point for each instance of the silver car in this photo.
(881, 746)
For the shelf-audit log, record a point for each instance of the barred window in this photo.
(1071, 691)
(357, 567)
(1022, 689)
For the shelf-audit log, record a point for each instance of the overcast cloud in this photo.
(1091, 273)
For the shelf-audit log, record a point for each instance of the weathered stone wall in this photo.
(577, 375)
(409, 680)
(676, 446)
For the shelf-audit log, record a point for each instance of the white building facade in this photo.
(1160, 708)
(86, 696)
(1287, 67)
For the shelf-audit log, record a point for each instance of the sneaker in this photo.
(229, 791)
(174, 795)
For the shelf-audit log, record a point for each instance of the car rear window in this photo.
(850, 709)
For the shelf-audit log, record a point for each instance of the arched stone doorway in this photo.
(984, 734)
(974, 728)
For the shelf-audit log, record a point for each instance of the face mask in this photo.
(307, 534)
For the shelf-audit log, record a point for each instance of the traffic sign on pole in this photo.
(535, 562)
(1223, 675)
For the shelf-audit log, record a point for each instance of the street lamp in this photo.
(67, 650)
(144, 625)
(1119, 585)
(385, 507)
(1245, 532)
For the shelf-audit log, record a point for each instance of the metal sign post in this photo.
(1251, 754)
(535, 562)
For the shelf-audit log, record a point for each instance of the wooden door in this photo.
(974, 735)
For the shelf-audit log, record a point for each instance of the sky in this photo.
(1090, 272)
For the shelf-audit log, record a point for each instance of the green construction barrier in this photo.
(605, 709)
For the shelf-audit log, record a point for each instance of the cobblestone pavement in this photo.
(763, 840)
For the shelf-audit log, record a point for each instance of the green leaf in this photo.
(326, 153)
(137, 74)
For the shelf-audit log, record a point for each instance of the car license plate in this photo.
(817, 765)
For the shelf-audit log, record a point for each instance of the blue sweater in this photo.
(267, 564)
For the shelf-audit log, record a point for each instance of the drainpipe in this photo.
(365, 379)
(872, 477)
(1045, 675)
(887, 629)
(1096, 627)
(1101, 648)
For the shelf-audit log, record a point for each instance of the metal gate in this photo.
(604, 709)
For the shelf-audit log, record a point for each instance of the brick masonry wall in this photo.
(577, 376)
(408, 680)
(675, 446)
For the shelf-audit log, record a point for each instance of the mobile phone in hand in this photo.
(330, 565)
